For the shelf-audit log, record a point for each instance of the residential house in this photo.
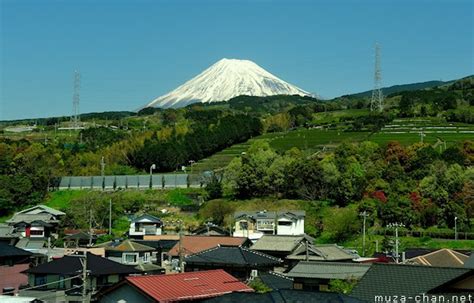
(187, 287)
(145, 225)
(128, 252)
(255, 224)
(240, 262)
(413, 282)
(12, 262)
(39, 222)
(66, 272)
(281, 246)
(194, 244)
(79, 239)
(285, 295)
(442, 258)
(316, 276)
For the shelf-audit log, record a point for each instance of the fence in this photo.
(129, 182)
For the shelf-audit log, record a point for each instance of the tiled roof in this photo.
(470, 262)
(160, 237)
(28, 218)
(11, 276)
(7, 231)
(232, 256)
(147, 218)
(31, 244)
(280, 243)
(328, 270)
(270, 214)
(194, 244)
(326, 252)
(285, 296)
(442, 257)
(275, 280)
(188, 286)
(12, 251)
(401, 279)
(42, 209)
(71, 265)
(126, 246)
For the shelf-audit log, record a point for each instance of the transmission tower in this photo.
(75, 100)
(376, 102)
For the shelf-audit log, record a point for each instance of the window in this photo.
(40, 280)
(130, 258)
(284, 223)
(146, 257)
(35, 232)
(61, 283)
(297, 285)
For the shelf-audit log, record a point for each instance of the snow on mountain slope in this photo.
(224, 80)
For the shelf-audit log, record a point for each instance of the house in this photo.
(188, 287)
(442, 258)
(281, 246)
(12, 262)
(128, 252)
(410, 282)
(210, 230)
(255, 224)
(145, 225)
(38, 222)
(102, 273)
(285, 295)
(240, 262)
(194, 244)
(79, 239)
(315, 276)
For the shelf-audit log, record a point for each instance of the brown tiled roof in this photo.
(195, 244)
(443, 258)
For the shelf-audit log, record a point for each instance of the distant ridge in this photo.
(400, 88)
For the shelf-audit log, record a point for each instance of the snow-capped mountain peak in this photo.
(225, 79)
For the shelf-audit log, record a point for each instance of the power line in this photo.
(41, 285)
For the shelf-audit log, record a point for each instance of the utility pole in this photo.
(180, 249)
(110, 216)
(90, 226)
(455, 228)
(84, 278)
(397, 242)
(364, 215)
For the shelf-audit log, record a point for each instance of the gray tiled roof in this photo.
(232, 255)
(280, 243)
(28, 218)
(270, 214)
(7, 231)
(325, 252)
(328, 270)
(42, 209)
(470, 262)
(404, 280)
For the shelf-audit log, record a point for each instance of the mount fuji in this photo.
(225, 79)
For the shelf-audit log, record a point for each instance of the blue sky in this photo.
(130, 52)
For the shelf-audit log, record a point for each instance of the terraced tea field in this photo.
(406, 131)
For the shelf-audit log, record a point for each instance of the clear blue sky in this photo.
(130, 52)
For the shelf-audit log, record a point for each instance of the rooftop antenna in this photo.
(75, 100)
(376, 103)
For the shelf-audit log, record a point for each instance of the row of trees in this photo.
(204, 140)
